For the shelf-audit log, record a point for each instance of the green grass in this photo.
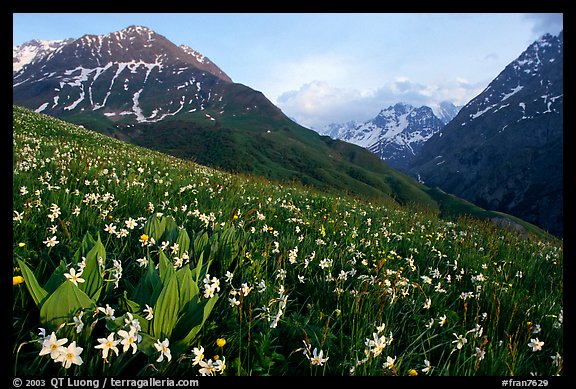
(378, 287)
(263, 142)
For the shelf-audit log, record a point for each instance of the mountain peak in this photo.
(34, 50)
(118, 76)
(446, 111)
(137, 29)
(132, 31)
(503, 151)
(199, 57)
(134, 44)
(538, 54)
(394, 135)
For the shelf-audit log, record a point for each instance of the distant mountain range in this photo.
(397, 133)
(137, 86)
(504, 149)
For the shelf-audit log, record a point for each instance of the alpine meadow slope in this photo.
(128, 262)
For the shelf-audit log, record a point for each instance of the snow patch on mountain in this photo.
(397, 133)
(33, 50)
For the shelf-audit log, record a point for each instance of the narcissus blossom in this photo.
(162, 348)
(53, 346)
(70, 355)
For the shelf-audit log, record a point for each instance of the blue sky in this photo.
(332, 67)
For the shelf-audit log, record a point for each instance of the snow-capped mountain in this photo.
(33, 50)
(338, 130)
(446, 111)
(396, 134)
(504, 149)
(131, 76)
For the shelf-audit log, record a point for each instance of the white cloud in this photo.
(285, 71)
(319, 103)
(546, 22)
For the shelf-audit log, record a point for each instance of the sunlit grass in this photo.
(306, 283)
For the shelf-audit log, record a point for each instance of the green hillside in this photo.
(266, 143)
(134, 262)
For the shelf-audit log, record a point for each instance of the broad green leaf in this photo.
(61, 305)
(200, 243)
(228, 246)
(202, 269)
(166, 268)
(36, 291)
(196, 272)
(154, 227)
(192, 314)
(87, 243)
(148, 287)
(155, 281)
(195, 314)
(146, 345)
(186, 285)
(130, 305)
(183, 242)
(57, 278)
(214, 247)
(166, 309)
(170, 229)
(91, 274)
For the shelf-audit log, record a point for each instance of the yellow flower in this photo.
(412, 372)
(144, 238)
(17, 280)
(21, 244)
(220, 342)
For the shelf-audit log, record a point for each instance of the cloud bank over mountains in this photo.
(319, 103)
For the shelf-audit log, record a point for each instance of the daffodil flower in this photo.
(108, 311)
(149, 311)
(198, 355)
(73, 277)
(129, 340)
(220, 365)
(460, 341)
(318, 357)
(107, 344)
(70, 355)
(53, 346)
(389, 362)
(51, 242)
(162, 347)
(427, 367)
(78, 322)
(536, 344)
(206, 367)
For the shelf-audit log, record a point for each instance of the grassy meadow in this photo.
(129, 261)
